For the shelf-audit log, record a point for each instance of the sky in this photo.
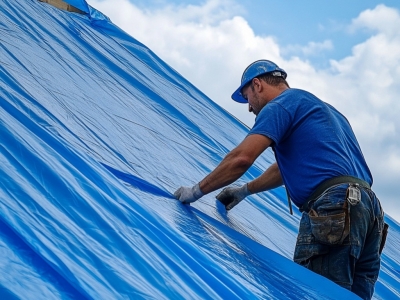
(347, 53)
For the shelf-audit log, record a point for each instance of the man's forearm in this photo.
(229, 170)
(235, 163)
(270, 179)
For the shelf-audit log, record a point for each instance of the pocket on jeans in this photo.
(329, 229)
(303, 254)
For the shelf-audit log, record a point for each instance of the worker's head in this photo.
(263, 69)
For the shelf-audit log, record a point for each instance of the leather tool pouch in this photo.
(331, 229)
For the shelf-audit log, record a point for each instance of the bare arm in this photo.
(236, 163)
(270, 179)
(231, 196)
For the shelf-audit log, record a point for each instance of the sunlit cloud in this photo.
(312, 48)
(380, 19)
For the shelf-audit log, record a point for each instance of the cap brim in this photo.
(237, 96)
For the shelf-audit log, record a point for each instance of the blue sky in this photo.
(299, 22)
(346, 53)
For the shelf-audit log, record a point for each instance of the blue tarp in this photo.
(92, 13)
(80, 4)
(97, 132)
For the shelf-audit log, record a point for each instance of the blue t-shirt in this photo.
(312, 142)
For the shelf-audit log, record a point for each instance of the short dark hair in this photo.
(273, 80)
(268, 78)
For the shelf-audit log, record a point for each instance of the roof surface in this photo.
(97, 132)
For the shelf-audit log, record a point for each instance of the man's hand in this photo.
(231, 196)
(187, 194)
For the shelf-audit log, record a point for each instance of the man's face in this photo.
(253, 98)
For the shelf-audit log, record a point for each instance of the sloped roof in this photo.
(96, 134)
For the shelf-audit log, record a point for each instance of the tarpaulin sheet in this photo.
(96, 134)
(80, 4)
(93, 14)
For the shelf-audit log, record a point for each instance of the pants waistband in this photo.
(329, 183)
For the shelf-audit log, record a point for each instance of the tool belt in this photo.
(333, 229)
(324, 228)
(321, 188)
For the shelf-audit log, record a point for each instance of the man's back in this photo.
(312, 142)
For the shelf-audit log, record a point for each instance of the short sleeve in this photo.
(273, 121)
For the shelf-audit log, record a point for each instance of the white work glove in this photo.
(187, 194)
(231, 196)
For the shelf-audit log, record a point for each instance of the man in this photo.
(321, 164)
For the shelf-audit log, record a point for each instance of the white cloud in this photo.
(211, 45)
(380, 19)
(312, 48)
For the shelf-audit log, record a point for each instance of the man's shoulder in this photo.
(295, 96)
(293, 100)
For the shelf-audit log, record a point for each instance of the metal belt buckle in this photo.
(353, 194)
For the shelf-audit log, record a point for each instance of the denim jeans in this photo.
(352, 259)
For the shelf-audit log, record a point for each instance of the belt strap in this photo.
(322, 187)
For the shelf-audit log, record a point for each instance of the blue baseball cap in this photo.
(257, 68)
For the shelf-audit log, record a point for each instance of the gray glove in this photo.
(187, 194)
(231, 196)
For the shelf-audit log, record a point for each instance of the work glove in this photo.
(187, 194)
(231, 196)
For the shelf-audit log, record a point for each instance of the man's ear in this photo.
(257, 85)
